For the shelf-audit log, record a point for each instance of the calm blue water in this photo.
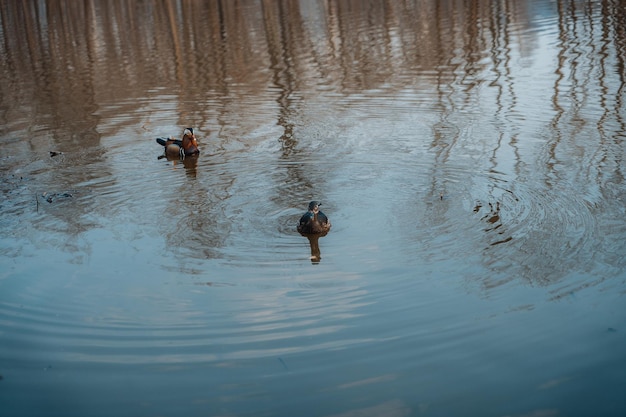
(469, 155)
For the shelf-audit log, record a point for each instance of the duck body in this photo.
(314, 222)
(187, 146)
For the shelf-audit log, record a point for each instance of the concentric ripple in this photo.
(516, 228)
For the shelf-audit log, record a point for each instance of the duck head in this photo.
(314, 206)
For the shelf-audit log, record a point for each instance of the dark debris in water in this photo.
(283, 363)
(12, 180)
(498, 242)
(216, 284)
(55, 153)
(52, 197)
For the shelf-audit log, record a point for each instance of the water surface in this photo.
(469, 155)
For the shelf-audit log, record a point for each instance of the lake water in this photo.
(470, 156)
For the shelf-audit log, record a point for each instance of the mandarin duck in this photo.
(187, 146)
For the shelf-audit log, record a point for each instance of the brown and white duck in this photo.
(187, 146)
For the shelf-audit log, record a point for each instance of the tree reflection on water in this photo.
(546, 79)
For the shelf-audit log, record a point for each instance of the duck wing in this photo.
(166, 141)
(321, 218)
(304, 225)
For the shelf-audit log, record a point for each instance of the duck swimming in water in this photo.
(314, 222)
(187, 146)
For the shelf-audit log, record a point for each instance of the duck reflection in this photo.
(313, 225)
(190, 163)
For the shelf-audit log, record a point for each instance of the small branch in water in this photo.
(284, 364)
(37, 200)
